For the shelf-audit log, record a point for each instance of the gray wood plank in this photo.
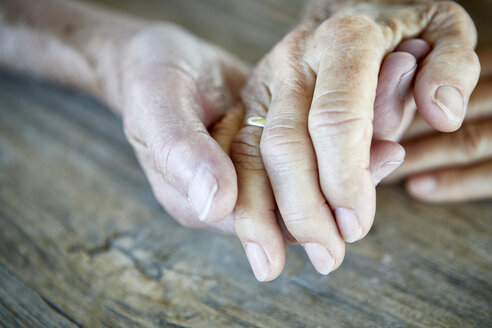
(83, 242)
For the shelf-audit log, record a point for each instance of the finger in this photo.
(479, 107)
(340, 120)
(172, 125)
(254, 215)
(450, 72)
(471, 144)
(394, 84)
(395, 107)
(291, 165)
(227, 128)
(386, 156)
(453, 185)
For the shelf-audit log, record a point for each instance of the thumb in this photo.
(171, 123)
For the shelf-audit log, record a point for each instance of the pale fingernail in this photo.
(384, 170)
(405, 83)
(202, 192)
(258, 260)
(450, 101)
(349, 224)
(423, 185)
(320, 257)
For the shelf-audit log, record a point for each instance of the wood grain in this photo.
(83, 243)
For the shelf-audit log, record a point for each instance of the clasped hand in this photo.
(337, 93)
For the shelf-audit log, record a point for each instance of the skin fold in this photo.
(337, 92)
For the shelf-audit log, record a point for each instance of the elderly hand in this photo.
(312, 160)
(173, 87)
(456, 166)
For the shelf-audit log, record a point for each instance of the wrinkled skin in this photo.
(315, 163)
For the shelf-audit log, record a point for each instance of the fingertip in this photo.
(262, 243)
(445, 82)
(260, 264)
(321, 258)
(442, 107)
(449, 100)
(386, 157)
(422, 186)
(396, 74)
(197, 168)
(349, 224)
(355, 214)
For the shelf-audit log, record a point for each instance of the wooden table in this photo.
(83, 243)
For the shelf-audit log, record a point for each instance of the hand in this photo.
(455, 166)
(173, 87)
(317, 90)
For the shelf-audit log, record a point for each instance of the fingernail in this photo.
(405, 83)
(320, 257)
(349, 224)
(202, 192)
(258, 260)
(423, 185)
(450, 101)
(384, 170)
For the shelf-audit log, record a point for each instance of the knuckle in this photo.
(298, 222)
(280, 142)
(349, 30)
(287, 48)
(242, 217)
(333, 114)
(347, 23)
(453, 17)
(281, 137)
(245, 150)
(459, 51)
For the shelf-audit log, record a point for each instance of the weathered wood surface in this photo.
(83, 243)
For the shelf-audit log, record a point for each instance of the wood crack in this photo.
(61, 312)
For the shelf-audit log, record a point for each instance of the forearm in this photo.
(67, 42)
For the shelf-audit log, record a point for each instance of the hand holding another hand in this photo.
(311, 170)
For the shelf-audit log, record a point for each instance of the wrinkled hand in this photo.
(174, 86)
(314, 159)
(455, 166)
